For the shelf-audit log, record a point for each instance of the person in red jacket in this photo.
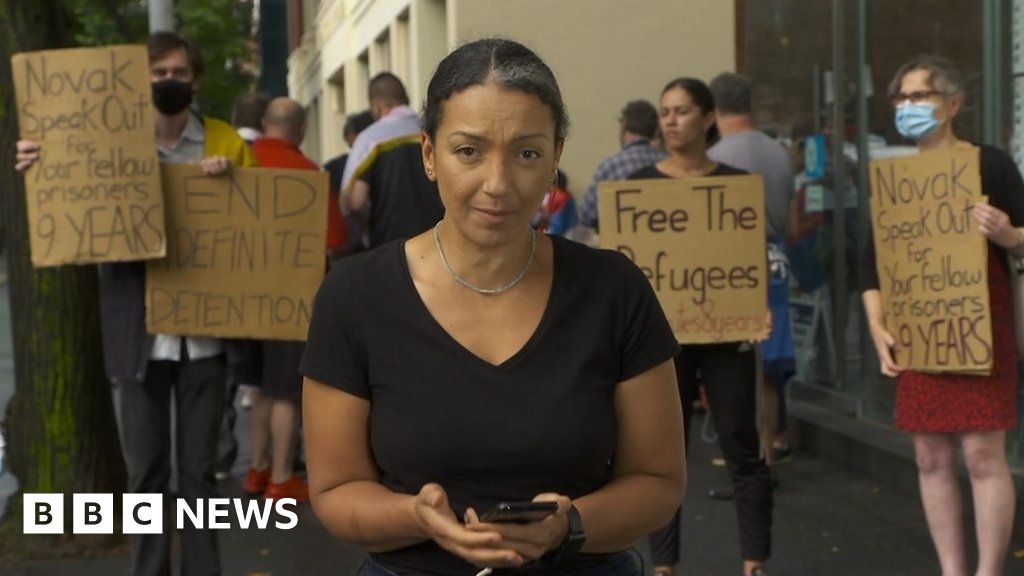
(275, 410)
(284, 128)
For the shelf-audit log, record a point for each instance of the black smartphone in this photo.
(521, 512)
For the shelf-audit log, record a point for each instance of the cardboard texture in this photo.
(701, 243)
(245, 256)
(932, 260)
(94, 194)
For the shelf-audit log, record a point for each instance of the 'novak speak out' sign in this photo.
(94, 194)
(932, 261)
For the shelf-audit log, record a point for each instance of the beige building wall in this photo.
(603, 52)
(607, 52)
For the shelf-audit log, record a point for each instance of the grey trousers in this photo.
(198, 391)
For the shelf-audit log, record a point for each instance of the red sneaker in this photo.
(293, 487)
(256, 481)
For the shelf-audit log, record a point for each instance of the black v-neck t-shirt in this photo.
(542, 421)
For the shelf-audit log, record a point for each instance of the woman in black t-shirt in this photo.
(727, 370)
(481, 362)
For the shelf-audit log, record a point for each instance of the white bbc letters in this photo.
(42, 513)
(142, 514)
(147, 513)
(93, 514)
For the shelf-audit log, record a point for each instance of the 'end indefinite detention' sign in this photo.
(246, 253)
(94, 194)
(932, 260)
(701, 243)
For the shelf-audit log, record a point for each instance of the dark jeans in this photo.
(729, 377)
(198, 389)
(227, 443)
(620, 564)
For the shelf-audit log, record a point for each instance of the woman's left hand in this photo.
(995, 225)
(533, 539)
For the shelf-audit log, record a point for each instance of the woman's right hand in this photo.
(28, 153)
(885, 344)
(437, 520)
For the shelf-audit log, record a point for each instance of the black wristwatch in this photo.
(573, 540)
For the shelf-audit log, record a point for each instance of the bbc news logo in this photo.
(144, 513)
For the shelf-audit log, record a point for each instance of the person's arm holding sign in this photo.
(996, 226)
(28, 153)
(885, 344)
(215, 165)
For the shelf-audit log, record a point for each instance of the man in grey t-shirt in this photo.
(744, 146)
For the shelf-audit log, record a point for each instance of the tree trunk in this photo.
(61, 432)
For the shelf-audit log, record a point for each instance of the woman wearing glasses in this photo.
(942, 411)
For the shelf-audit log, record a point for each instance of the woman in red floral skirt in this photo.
(942, 411)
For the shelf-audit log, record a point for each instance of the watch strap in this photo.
(573, 541)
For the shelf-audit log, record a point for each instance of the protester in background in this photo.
(557, 214)
(942, 411)
(727, 370)
(247, 115)
(744, 146)
(275, 413)
(404, 455)
(153, 371)
(354, 125)
(638, 126)
(384, 184)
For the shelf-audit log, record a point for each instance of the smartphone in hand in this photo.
(519, 512)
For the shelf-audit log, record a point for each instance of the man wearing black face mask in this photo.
(149, 369)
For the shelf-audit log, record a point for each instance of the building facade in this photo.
(603, 52)
(819, 68)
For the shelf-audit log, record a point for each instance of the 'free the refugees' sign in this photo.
(701, 243)
(932, 260)
(94, 194)
(245, 256)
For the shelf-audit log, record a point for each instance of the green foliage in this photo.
(222, 29)
(102, 22)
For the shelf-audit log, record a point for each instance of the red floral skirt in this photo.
(958, 403)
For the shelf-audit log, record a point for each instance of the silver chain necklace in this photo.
(486, 291)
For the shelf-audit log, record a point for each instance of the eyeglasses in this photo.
(915, 97)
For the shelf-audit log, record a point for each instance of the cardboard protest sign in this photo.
(701, 243)
(245, 253)
(94, 194)
(932, 260)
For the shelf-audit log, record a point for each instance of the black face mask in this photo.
(171, 96)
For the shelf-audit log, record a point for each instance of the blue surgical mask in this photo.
(916, 121)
